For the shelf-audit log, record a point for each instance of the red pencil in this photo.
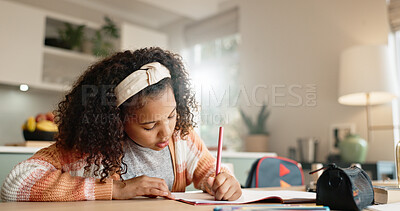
(221, 134)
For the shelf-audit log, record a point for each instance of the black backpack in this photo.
(344, 188)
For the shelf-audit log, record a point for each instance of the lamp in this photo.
(366, 78)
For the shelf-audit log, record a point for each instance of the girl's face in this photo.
(153, 125)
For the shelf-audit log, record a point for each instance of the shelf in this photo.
(63, 67)
(73, 55)
(51, 87)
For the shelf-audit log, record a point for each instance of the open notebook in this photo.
(248, 196)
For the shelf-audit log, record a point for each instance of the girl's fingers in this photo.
(236, 195)
(157, 183)
(221, 190)
(226, 187)
(164, 191)
(170, 196)
(160, 185)
(209, 184)
(164, 185)
(219, 180)
(156, 192)
(151, 186)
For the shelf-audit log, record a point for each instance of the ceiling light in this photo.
(23, 87)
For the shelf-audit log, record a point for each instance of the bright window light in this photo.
(23, 87)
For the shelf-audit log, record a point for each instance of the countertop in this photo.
(21, 150)
(230, 154)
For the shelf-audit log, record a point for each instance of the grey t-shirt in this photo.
(145, 161)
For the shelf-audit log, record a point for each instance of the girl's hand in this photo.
(224, 187)
(140, 186)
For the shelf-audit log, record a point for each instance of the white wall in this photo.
(175, 32)
(136, 37)
(286, 43)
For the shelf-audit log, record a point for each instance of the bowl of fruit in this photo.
(40, 128)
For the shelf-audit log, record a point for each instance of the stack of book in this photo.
(386, 194)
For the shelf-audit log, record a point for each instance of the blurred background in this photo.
(274, 63)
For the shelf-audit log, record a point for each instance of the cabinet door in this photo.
(134, 37)
(21, 38)
(8, 161)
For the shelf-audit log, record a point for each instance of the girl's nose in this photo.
(165, 131)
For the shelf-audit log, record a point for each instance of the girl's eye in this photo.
(148, 129)
(170, 117)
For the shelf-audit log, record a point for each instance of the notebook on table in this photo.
(248, 196)
(270, 207)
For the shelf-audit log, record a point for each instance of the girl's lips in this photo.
(162, 144)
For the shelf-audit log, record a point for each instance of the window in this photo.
(214, 68)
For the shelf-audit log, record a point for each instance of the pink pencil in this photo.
(221, 134)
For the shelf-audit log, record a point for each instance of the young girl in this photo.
(125, 130)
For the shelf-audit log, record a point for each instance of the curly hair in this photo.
(89, 120)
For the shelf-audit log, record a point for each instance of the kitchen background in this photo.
(282, 43)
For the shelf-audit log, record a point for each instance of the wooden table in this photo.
(136, 204)
(120, 205)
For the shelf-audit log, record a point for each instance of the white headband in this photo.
(147, 75)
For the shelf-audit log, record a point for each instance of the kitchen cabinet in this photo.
(61, 67)
(22, 30)
(134, 37)
(11, 156)
(25, 59)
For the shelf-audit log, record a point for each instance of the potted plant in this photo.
(104, 37)
(72, 36)
(257, 139)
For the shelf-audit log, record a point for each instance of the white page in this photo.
(247, 196)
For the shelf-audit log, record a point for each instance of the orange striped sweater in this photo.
(56, 175)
